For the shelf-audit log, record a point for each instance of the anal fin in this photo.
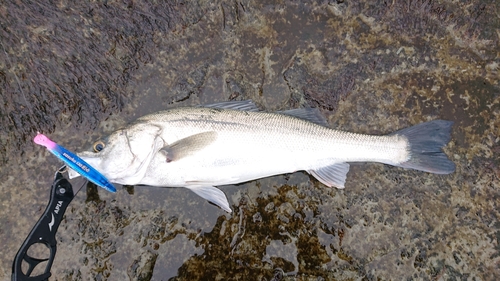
(333, 175)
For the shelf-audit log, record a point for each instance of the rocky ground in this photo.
(78, 71)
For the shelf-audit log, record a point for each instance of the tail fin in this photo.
(426, 141)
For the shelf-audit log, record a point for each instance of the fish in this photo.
(225, 143)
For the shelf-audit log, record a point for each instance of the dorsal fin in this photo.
(246, 105)
(309, 114)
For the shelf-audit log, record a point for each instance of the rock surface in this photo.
(78, 71)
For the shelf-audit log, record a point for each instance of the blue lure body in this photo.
(75, 162)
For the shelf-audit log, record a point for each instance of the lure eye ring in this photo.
(98, 146)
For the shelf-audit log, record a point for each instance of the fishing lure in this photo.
(75, 162)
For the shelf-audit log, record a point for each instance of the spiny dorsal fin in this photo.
(333, 175)
(188, 146)
(309, 114)
(246, 105)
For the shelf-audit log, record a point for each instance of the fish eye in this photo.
(98, 146)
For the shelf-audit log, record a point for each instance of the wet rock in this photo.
(64, 64)
(84, 70)
(142, 268)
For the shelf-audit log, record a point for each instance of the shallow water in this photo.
(87, 69)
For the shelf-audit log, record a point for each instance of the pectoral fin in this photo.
(333, 175)
(188, 146)
(213, 195)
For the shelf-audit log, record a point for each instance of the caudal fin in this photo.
(426, 141)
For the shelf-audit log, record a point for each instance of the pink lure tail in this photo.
(43, 140)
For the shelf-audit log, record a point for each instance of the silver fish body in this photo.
(203, 147)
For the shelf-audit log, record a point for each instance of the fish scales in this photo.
(283, 132)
